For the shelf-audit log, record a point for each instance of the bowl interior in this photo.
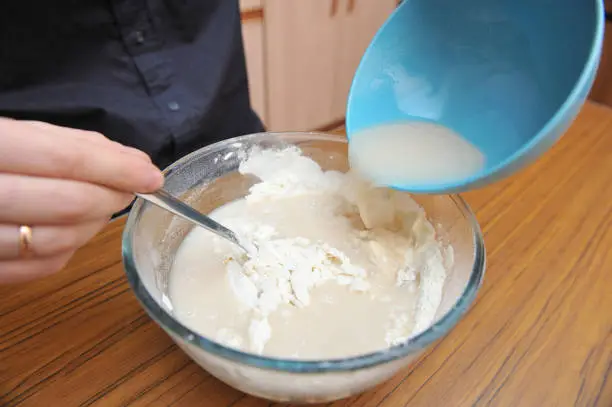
(208, 179)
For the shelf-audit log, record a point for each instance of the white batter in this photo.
(341, 269)
(413, 154)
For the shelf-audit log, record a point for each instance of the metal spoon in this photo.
(164, 200)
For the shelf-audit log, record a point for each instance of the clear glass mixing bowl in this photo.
(207, 179)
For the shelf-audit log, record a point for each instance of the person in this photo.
(95, 97)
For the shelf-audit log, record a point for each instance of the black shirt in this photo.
(165, 76)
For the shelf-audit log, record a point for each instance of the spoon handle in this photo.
(164, 200)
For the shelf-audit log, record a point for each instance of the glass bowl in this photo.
(207, 179)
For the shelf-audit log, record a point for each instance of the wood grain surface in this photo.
(539, 334)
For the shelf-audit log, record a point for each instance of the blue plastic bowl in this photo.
(508, 75)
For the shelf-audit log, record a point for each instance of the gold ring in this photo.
(25, 240)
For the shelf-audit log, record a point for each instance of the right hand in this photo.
(64, 184)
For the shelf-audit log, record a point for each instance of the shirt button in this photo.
(139, 37)
(174, 106)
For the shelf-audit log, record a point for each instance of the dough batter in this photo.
(342, 268)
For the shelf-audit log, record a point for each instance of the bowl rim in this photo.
(413, 344)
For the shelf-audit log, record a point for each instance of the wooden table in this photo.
(539, 334)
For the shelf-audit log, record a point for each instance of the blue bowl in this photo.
(508, 75)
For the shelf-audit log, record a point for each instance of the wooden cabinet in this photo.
(302, 54)
(359, 21)
(313, 48)
(252, 33)
(302, 39)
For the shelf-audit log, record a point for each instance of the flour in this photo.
(341, 268)
(284, 271)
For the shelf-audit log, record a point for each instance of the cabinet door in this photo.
(301, 41)
(252, 34)
(361, 19)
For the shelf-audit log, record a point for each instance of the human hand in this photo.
(63, 185)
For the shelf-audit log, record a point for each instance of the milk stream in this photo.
(413, 154)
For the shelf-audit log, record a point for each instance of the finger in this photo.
(18, 271)
(48, 154)
(43, 201)
(47, 241)
(86, 136)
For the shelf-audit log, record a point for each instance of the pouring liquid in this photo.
(413, 154)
